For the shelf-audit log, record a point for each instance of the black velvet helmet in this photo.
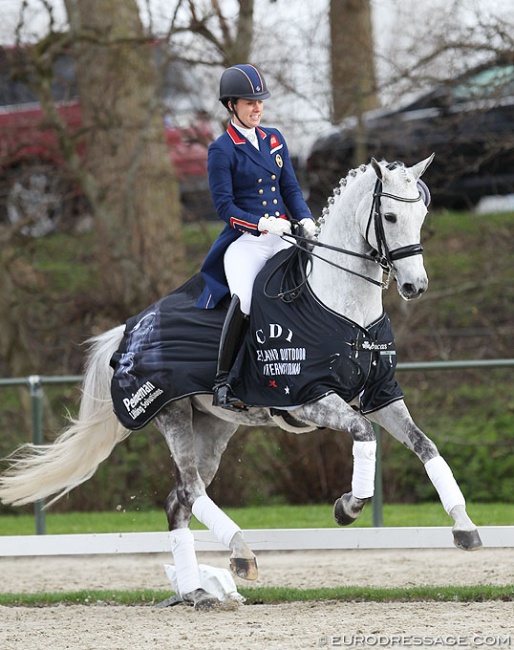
(242, 81)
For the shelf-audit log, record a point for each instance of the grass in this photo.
(274, 595)
(274, 516)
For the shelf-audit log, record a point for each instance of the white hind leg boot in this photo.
(184, 556)
(220, 524)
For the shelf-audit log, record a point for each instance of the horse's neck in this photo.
(343, 292)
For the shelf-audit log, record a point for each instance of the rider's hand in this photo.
(274, 226)
(309, 227)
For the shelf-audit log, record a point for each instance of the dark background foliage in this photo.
(466, 314)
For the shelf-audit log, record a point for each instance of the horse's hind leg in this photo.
(196, 467)
(211, 438)
(397, 420)
(174, 422)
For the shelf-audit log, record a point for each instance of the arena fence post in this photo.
(36, 400)
(378, 498)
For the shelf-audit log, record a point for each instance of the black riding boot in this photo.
(232, 334)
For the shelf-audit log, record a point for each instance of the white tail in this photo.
(38, 471)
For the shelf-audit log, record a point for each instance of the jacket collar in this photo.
(259, 156)
(237, 138)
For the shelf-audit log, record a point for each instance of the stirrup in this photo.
(224, 397)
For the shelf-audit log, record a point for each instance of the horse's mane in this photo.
(351, 175)
(341, 187)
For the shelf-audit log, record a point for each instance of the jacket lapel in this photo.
(264, 156)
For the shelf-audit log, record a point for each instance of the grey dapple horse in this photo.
(372, 223)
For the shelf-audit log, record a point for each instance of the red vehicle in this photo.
(34, 188)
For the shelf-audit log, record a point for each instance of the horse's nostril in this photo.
(409, 290)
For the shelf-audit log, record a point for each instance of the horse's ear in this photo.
(379, 171)
(419, 169)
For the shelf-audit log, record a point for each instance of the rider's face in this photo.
(249, 112)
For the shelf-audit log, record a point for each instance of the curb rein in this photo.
(382, 256)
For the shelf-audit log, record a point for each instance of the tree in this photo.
(352, 64)
(127, 176)
(232, 45)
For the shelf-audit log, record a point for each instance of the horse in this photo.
(368, 233)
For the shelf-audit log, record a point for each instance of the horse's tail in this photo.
(38, 471)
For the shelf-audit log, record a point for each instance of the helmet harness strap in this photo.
(232, 101)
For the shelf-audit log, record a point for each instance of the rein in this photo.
(382, 255)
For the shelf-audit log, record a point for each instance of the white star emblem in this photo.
(286, 390)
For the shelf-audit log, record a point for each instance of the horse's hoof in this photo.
(467, 540)
(243, 568)
(345, 516)
(201, 599)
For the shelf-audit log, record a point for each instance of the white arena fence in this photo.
(302, 539)
(377, 537)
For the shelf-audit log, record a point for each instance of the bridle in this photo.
(382, 254)
(379, 255)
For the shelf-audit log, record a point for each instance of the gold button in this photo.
(277, 213)
(259, 180)
(266, 215)
(275, 201)
(273, 177)
(273, 188)
(264, 203)
(261, 191)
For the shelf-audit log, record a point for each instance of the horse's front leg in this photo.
(396, 419)
(334, 413)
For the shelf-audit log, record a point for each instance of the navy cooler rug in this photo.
(168, 351)
(298, 350)
(295, 352)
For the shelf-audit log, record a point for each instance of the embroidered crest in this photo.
(278, 160)
(273, 141)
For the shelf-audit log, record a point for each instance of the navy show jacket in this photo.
(246, 184)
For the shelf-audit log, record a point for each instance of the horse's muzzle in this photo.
(411, 291)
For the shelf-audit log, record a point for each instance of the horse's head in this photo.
(393, 228)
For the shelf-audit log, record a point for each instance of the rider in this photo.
(255, 191)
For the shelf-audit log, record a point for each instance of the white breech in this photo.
(243, 260)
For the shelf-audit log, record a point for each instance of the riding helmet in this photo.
(242, 81)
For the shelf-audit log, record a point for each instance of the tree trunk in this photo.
(131, 184)
(352, 67)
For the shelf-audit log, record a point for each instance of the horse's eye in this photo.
(390, 216)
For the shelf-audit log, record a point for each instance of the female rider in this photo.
(255, 191)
